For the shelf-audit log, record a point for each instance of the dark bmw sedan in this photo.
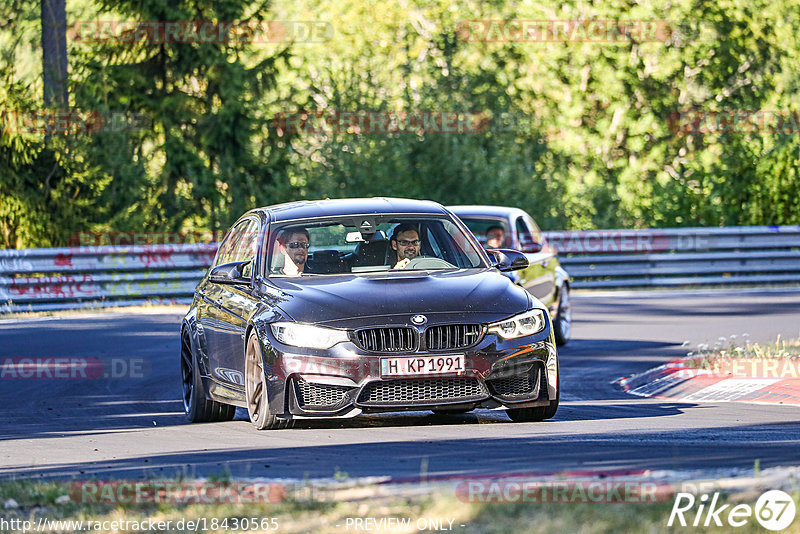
(339, 307)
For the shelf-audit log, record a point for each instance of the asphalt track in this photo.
(132, 426)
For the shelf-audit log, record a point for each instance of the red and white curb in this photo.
(773, 382)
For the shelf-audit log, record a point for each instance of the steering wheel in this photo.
(429, 263)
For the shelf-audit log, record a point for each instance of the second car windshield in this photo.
(487, 230)
(370, 243)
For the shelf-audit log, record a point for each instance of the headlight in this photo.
(308, 336)
(524, 324)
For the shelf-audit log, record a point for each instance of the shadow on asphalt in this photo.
(616, 349)
(95, 418)
(722, 447)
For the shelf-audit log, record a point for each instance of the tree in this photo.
(208, 154)
(54, 53)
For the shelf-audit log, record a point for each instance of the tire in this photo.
(255, 384)
(197, 407)
(562, 324)
(537, 413)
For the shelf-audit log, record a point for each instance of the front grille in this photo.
(452, 336)
(396, 339)
(320, 395)
(422, 391)
(521, 385)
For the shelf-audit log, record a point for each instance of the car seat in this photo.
(374, 252)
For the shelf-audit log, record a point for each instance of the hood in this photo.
(343, 300)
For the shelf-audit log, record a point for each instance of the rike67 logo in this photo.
(774, 510)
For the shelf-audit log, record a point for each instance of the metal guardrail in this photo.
(680, 256)
(99, 276)
(64, 278)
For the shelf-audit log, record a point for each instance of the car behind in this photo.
(544, 277)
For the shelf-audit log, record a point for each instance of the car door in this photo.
(539, 278)
(208, 312)
(232, 307)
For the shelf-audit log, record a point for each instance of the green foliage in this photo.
(48, 187)
(596, 149)
(206, 158)
(580, 132)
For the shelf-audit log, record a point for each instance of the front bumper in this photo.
(345, 381)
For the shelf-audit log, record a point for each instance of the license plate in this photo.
(423, 365)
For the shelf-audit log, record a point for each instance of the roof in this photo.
(490, 211)
(309, 209)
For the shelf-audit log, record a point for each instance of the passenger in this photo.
(293, 245)
(495, 237)
(406, 243)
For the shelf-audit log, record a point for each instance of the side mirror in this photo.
(531, 248)
(508, 260)
(528, 243)
(230, 273)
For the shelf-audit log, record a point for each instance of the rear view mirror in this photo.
(360, 237)
(354, 237)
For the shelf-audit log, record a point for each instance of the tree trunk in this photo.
(54, 53)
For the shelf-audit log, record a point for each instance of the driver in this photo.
(293, 245)
(495, 237)
(406, 243)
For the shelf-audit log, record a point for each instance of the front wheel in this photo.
(256, 389)
(528, 415)
(562, 324)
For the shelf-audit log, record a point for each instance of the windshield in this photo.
(491, 232)
(369, 243)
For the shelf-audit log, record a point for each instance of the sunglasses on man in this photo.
(298, 244)
(404, 243)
